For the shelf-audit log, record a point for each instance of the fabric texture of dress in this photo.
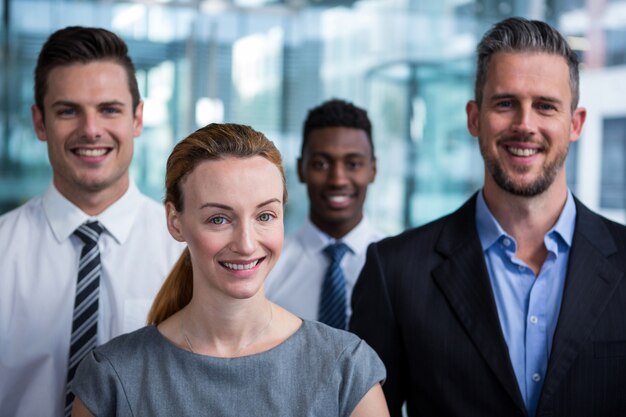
(318, 371)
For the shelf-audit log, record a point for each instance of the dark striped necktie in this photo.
(332, 309)
(85, 319)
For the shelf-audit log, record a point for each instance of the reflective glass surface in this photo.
(265, 63)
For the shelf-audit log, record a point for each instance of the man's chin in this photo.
(94, 186)
(524, 188)
(527, 190)
(342, 212)
(340, 217)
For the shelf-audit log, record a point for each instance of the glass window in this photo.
(613, 190)
(409, 63)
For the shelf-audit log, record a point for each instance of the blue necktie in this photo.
(332, 309)
(85, 319)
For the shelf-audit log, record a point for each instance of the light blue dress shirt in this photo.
(528, 305)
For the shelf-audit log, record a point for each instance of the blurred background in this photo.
(410, 63)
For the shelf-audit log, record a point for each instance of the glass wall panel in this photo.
(410, 63)
(614, 164)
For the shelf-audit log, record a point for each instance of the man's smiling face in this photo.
(337, 166)
(525, 122)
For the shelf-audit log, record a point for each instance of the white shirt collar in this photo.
(357, 239)
(64, 217)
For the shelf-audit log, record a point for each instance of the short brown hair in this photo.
(77, 44)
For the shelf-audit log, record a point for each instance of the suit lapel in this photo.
(464, 280)
(591, 281)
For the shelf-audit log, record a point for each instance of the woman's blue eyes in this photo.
(217, 220)
(220, 220)
(266, 217)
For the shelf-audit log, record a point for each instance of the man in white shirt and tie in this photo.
(64, 290)
(320, 263)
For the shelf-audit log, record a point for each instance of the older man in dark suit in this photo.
(514, 305)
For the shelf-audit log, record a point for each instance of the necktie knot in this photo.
(336, 251)
(89, 232)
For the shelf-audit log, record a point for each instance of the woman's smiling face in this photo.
(232, 221)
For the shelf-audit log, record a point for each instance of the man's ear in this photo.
(173, 222)
(578, 120)
(373, 177)
(138, 119)
(472, 118)
(301, 170)
(38, 123)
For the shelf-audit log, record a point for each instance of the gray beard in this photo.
(539, 186)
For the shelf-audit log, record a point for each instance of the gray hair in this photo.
(517, 34)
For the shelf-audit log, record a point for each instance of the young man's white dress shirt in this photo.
(295, 283)
(38, 270)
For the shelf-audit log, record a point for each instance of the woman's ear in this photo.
(173, 222)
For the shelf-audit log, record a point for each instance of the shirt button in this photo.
(506, 242)
(521, 268)
(534, 320)
(536, 377)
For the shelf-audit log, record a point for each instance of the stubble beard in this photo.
(549, 172)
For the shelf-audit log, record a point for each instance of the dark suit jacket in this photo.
(424, 303)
